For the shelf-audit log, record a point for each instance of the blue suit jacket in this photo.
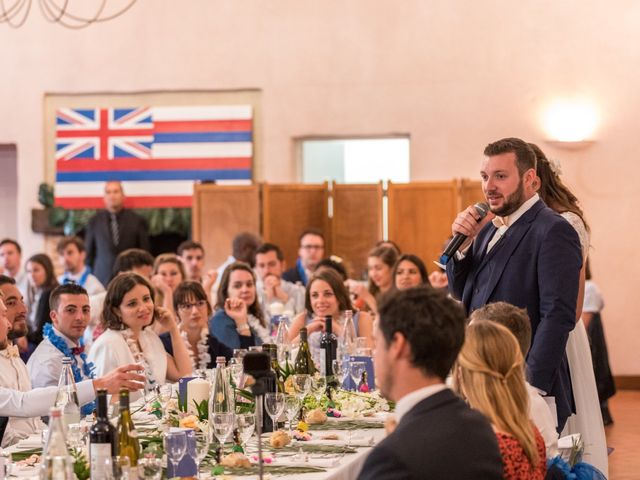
(535, 265)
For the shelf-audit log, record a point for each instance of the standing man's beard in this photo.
(512, 202)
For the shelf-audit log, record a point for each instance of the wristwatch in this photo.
(243, 328)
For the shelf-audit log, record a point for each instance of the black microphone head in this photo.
(255, 362)
(482, 208)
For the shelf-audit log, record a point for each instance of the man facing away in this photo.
(72, 257)
(437, 435)
(525, 254)
(112, 231)
(310, 253)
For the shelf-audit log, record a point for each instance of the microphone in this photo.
(481, 209)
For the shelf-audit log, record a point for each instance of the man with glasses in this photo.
(309, 255)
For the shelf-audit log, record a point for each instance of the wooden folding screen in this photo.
(287, 210)
(357, 223)
(470, 192)
(420, 217)
(219, 213)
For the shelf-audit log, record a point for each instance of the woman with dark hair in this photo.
(127, 312)
(238, 313)
(326, 295)
(168, 272)
(409, 271)
(380, 262)
(588, 418)
(41, 281)
(193, 307)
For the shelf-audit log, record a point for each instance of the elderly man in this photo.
(310, 253)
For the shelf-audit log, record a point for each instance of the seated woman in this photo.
(490, 375)
(41, 280)
(127, 313)
(326, 295)
(238, 313)
(168, 272)
(380, 264)
(193, 307)
(409, 271)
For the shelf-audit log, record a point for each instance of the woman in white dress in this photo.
(128, 311)
(588, 418)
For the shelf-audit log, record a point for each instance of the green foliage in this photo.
(202, 409)
(80, 465)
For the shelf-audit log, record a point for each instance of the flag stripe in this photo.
(202, 137)
(133, 189)
(133, 175)
(202, 150)
(238, 163)
(129, 202)
(202, 126)
(218, 112)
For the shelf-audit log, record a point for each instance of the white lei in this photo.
(200, 359)
(138, 355)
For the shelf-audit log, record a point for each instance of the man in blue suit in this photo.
(525, 254)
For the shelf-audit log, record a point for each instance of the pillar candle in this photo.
(197, 390)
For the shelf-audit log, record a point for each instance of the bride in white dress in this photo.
(588, 418)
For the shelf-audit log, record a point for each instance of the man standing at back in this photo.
(437, 436)
(112, 231)
(525, 254)
(310, 253)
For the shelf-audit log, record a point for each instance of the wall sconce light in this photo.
(571, 124)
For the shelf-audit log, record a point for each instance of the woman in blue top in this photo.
(238, 313)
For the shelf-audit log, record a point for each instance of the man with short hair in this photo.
(271, 288)
(311, 251)
(11, 263)
(69, 312)
(518, 323)
(72, 255)
(191, 255)
(243, 249)
(437, 435)
(112, 231)
(525, 254)
(20, 332)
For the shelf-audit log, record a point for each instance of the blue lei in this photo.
(87, 367)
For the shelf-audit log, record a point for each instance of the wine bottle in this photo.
(328, 348)
(56, 461)
(304, 362)
(127, 436)
(102, 438)
(67, 398)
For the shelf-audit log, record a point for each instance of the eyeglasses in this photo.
(312, 247)
(188, 306)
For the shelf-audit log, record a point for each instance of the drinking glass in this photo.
(175, 447)
(355, 370)
(274, 403)
(202, 441)
(361, 344)
(150, 467)
(320, 388)
(302, 385)
(117, 468)
(236, 370)
(222, 426)
(246, 424)
(74, 436)
(291, 408)
(340, 370)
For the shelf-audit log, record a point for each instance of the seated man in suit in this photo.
(311, 251)
(420, 334)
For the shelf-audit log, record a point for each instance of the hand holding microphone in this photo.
(465, 227)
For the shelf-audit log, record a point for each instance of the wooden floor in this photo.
(624, 436)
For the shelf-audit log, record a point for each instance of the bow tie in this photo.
(11, 351)
(77, 350)
(499, 222)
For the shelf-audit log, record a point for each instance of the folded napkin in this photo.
(307, 460)
(32, 441)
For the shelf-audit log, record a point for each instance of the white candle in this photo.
(197, 390)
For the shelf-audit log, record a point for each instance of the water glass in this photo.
(340, 370)
(361, 344)
(175, 446)
(246, 424)
(202, 441)
(117, 468)
(291, 409)
(320, 388)
(274, 403)
(150, 468)
(222, 424)
(236, 370)
(302, 385)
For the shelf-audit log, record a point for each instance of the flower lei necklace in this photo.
(87, 367)
(138, 356)
(200, 358)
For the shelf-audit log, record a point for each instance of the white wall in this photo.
(453, 74)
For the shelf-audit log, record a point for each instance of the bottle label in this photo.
(323, 362)
(99, 452)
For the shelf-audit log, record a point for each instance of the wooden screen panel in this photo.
(287, 210)
(356, 225)
(470, 192)
(220, 212)
(420, 217)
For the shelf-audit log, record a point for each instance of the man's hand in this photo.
(121, 377)
(468, 223)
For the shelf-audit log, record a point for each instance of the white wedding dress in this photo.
(588, 418)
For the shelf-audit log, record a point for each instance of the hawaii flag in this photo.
(156, 152)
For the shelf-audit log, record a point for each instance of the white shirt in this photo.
(91, 284)
(14, 376)
(503, 223)
(294, 305)
(541, 415)
(45, 363)
(410, 400)
(593, 302)
(37, 402)
(96, 302)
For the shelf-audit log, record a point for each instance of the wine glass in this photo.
(175, 448)
(320, 388)
(202, 442)
(223, 426)
(274, 403)
(291, 408)
(150, 467)
(340, 370)
(117, 468)
(355, 370)
(246, 424)
(302, 385)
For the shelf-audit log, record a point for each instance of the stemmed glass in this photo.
(340, 370)
(291, 408)
(246, 424)
(117, 468)
(202, 441)
(274, 403)
(223, 426)
(175, 447)
(320, 388)
(302, 385)
(355, 370)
